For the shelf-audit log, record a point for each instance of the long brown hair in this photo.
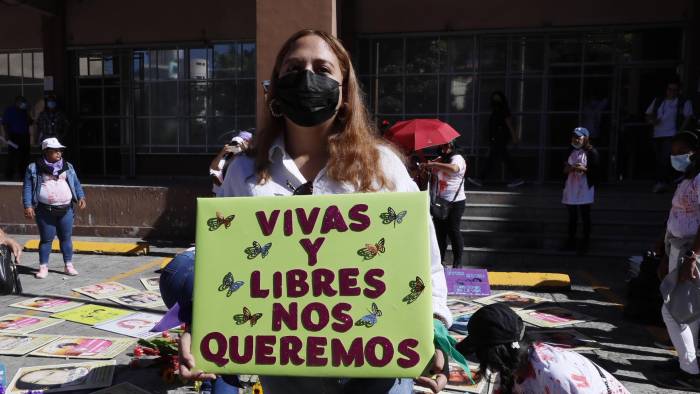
(353, 143)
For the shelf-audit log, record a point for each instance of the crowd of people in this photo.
(317, 138)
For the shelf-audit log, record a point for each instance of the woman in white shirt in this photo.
(448, 184)
(682, 242)
(317, 139)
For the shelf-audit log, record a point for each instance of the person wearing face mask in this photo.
(448, 184)
(52, 122)
(317, 138)
(501, 134)
(581, 170)
(51, 186)
(16, 122)
(678, 268)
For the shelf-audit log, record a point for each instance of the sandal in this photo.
(43, 271)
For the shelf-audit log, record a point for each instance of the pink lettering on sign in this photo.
(287, 316)
(290, 347)
(343, 320)
(353, 355)
(238, 355)
(306, 317)
(288, 229)
(406, 348)
(307, 223)
(255, 290)
(322, 280)
(333, 220)
(264, 349)
(372, 279)
(361, 221)
(347, 278)
(311, 249)
(296, 283)
(220, 343)
(267, 225)
(387, 351)
(315, 347)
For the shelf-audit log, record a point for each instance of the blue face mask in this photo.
(22, 105)
(576, 145)
(680, 162)
(51, 104)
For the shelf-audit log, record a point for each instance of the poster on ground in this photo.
(84, 347)
(151, 283)
(24, 324)
(104, 290)
(21, 344)
(553, 316)
(144, 299)
(137, 325)
(63, 377)
(458, 381)
(334, 285)
(512, 299)
(467, 282)
(47, 304)
(91, 314)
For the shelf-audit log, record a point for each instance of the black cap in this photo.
(494, 324)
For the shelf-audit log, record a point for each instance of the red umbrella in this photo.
(416, 134)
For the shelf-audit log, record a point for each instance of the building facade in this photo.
(154, 88)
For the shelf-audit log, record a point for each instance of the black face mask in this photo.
(307, 99)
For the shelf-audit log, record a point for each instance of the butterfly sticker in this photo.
(370, 251)
(230, 285)
(257, 249)
(417, 286)
(246, 316)
(216, 222)
(370, 319)
(391, 216)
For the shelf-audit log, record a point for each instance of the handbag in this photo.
(9, 280)
(55, 210)
(440, 207)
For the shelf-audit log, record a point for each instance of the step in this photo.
(511, 211)
(629, 200)
(503, 240)
(600, 227)
(533, 260)
(89, 247)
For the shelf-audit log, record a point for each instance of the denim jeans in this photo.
(172, 285)
(50, 226)
(290, 385)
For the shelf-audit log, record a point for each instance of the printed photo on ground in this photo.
(23, 324)
(564, 338)
(91, 314)
(84, 347)
(105, 290)
(512, 299)
(553, 316)
(19, 345)
(151, 283)
(137, 325)
(63, 377)
(47, 304)
(146, 299)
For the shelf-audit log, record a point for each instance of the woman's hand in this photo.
(29, 213)
(12, 244)
(187, 361)
(82, 204)
(438, 381)
(688, 270)
(662, 269)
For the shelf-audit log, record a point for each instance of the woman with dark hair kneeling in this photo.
(496, 336)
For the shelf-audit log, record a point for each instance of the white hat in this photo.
(51, 143)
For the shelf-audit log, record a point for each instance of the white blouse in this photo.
(241, 180)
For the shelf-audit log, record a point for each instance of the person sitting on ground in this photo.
(51, 187)
(15, 248)
(496, 335)
(217, 169)
(177, 289)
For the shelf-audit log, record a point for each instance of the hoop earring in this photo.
(274, 113)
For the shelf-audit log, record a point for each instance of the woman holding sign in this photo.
(317, 139)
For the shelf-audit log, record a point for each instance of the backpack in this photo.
(9, 280)
(680, 118)
(643, 295)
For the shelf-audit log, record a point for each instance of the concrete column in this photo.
(53, 40)
(276, 21)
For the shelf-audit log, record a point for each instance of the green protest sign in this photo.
(335, 285)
